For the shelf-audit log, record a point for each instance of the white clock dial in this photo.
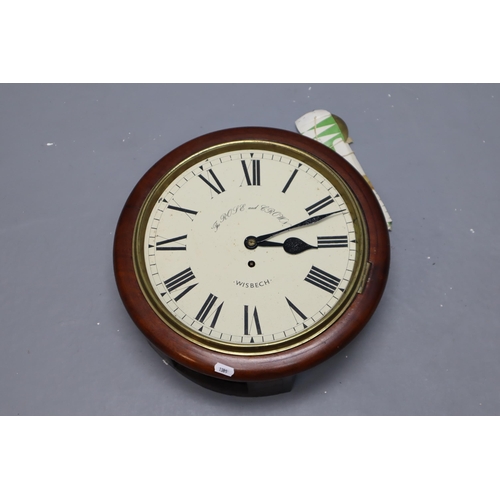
(210, 265)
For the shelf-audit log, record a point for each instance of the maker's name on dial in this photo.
(242, 207)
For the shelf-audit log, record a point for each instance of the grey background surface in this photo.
(71, 154)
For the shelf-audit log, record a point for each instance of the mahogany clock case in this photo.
(199, 361)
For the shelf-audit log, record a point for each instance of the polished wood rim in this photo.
(264, 367)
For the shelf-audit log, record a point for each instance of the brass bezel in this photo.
(358, 274)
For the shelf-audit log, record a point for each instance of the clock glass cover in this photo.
(250, 247)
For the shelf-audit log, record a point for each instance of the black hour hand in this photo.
(292, 246)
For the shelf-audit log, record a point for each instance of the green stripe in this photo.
(332, 129)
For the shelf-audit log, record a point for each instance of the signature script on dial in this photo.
(243, 207)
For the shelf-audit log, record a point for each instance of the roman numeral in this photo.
(179, 280)
(332, 241)
(295, 309)
(220, 188)
(160, 244)
(206, 308)
(316, 207)
(187, 211)
(254, 180)
(322, 279)
(292, 177)
(247, 322)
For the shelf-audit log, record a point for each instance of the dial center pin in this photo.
(251, 242)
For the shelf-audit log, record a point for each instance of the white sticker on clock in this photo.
(224, 369)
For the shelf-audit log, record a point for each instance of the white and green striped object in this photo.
(331, 131)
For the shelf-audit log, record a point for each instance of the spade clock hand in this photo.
(292, 246)
(252, 242)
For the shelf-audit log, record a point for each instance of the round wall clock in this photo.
(248, 255)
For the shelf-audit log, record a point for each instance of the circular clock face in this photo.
(224, 260)
(247, 244)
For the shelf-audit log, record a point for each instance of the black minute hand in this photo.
(311, 220)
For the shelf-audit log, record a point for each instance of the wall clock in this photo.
(249, 255)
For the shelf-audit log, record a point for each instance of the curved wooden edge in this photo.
(261, 367)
